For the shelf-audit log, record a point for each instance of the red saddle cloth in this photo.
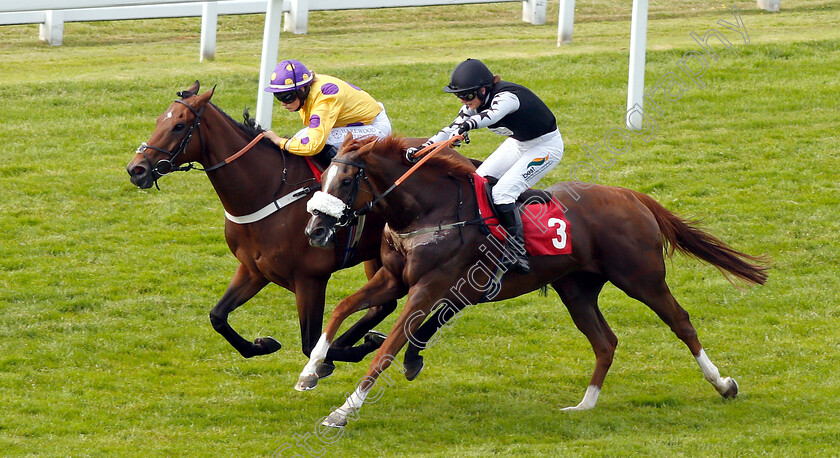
(545, 226)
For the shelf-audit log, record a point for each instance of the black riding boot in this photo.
(516, 258)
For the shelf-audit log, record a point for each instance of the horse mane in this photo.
(250, 125)
(448, 161)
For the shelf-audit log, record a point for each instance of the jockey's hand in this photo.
(466, 126)
(410, 152)
(276, 139)
(457, 143)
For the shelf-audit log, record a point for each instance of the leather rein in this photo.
(349, 214)
(166, 166)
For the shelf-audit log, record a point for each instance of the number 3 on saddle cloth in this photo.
(546, 229)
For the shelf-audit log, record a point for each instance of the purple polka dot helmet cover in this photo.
(289, 75)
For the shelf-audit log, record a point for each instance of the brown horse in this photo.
(434, 250)
(266, 189)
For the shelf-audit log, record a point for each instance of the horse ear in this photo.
(367, 147)
(204, 98)
(189, 92)
(347, 140)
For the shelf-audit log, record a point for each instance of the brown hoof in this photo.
(335, 420)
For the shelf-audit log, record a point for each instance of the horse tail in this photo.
(686, 237)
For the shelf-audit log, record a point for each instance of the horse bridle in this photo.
(348, 215)
(182, 147)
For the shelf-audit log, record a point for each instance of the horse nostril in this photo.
(137, 171)
(316, 233)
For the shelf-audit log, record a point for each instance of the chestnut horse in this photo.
(266, 188)
(436, 251)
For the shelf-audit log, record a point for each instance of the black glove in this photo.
(465, 127)
(466, 140)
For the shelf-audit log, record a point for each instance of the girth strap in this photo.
(271, 208)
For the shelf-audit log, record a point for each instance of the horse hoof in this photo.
(335, 420)
(376, 337)
(733, 388)
(307, 382)
(413, 368)
(324, 369)
(266, 345)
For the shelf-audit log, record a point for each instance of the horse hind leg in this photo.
(579, 292)
(727, 386)
(649, 287)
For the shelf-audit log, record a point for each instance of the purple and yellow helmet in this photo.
(289, 75)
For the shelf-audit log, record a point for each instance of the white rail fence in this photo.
(53, 14)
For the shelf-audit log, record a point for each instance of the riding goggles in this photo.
(467, 95)
(286, 97)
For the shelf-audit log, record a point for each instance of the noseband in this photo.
(165, 166)
(327, 204)
(348, 215)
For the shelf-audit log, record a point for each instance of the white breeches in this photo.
(520, 165)
(381, 127)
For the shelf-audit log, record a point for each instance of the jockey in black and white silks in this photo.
(534, 145)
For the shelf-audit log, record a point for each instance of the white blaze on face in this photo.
(332, 171)
(168, 115)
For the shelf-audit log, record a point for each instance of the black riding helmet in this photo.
(469, 75)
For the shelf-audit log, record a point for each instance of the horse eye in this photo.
(179, 126)
(346, 181)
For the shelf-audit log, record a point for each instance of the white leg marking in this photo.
(348, 411)
(319, 353)
(589, 399)
(354, 402)
(711, 372)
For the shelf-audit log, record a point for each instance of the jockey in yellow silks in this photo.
(329, 107)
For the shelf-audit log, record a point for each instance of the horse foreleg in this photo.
(342, 348)
(420, 340)
(310, 293)
(380, 289)
(243, 286)
(419, 301)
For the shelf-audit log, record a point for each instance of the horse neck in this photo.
(422, 199)
(251, 181)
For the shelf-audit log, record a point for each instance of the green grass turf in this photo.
(105, 344)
